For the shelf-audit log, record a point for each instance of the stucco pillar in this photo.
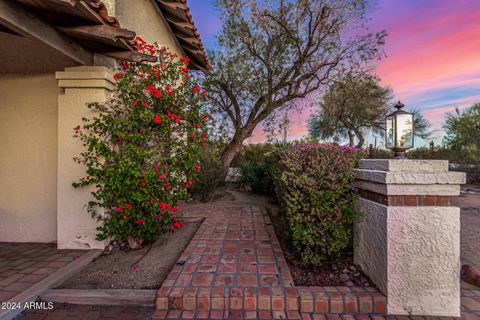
(76, 228)
(407, 235)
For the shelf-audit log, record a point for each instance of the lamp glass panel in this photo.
(404, 137)
(390, 134)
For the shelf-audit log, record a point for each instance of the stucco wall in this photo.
(144, 17)
(76, 228)
(424, 260)
(370, 241)
(28, 158)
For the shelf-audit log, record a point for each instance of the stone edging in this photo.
(114, 297)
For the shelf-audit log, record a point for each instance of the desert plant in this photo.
(255, 176)
(141, 148)
(314, 185)
(211, 176)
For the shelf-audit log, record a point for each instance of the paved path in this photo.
(234, 268)
(24, 264)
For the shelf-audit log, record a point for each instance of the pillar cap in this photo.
(405, 165)
(411, 177)
(86, 77)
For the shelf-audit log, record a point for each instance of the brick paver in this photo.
(234, 268)
(25, 264)
(84, 312)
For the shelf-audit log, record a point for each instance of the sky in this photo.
(432, 51)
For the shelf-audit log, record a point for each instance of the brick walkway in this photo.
(234, 268)
(25, 264)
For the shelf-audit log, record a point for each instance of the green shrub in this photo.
(255, 176)
(253, 153)
(314, 185)
(211, 175)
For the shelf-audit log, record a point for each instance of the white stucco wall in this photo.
(424, 260)
(144, 17)
(370, 241)
(28, 158)
(412, 253)
(81, 85)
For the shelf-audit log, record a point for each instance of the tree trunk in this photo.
(351, 141)
(361, 139)
(234, 147)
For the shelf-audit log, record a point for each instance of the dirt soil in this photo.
(141, 269)
(341, 272)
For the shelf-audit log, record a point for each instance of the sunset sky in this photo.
(433, 54)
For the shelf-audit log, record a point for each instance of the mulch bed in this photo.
(341, 272)
(146, 268)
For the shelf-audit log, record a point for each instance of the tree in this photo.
(350, 108)
(463, 132)
(355, 106)
(272, 53)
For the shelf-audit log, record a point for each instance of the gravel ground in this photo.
(122, 269)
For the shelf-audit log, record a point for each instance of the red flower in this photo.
(117, 76)
(157, 93)
(171, 115)
(178, 224)
(128, 206)
(157, 119)
(198, 126)
(169, 90)
(140, 221)
(204, 94)
(197, 168)
(77, 127)
(185, 59)
(120, 209)
(150, 88)
(196, 89)
(125, 216)
(177, 119)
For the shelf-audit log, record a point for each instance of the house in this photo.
(55, 56)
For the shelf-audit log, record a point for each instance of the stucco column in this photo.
(76, 228)
(407, 235)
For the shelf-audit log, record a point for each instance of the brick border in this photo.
(407, 200)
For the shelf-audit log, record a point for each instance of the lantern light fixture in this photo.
(399, 131)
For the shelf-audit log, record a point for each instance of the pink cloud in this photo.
(433, 57)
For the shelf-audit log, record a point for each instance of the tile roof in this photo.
(90, 23)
